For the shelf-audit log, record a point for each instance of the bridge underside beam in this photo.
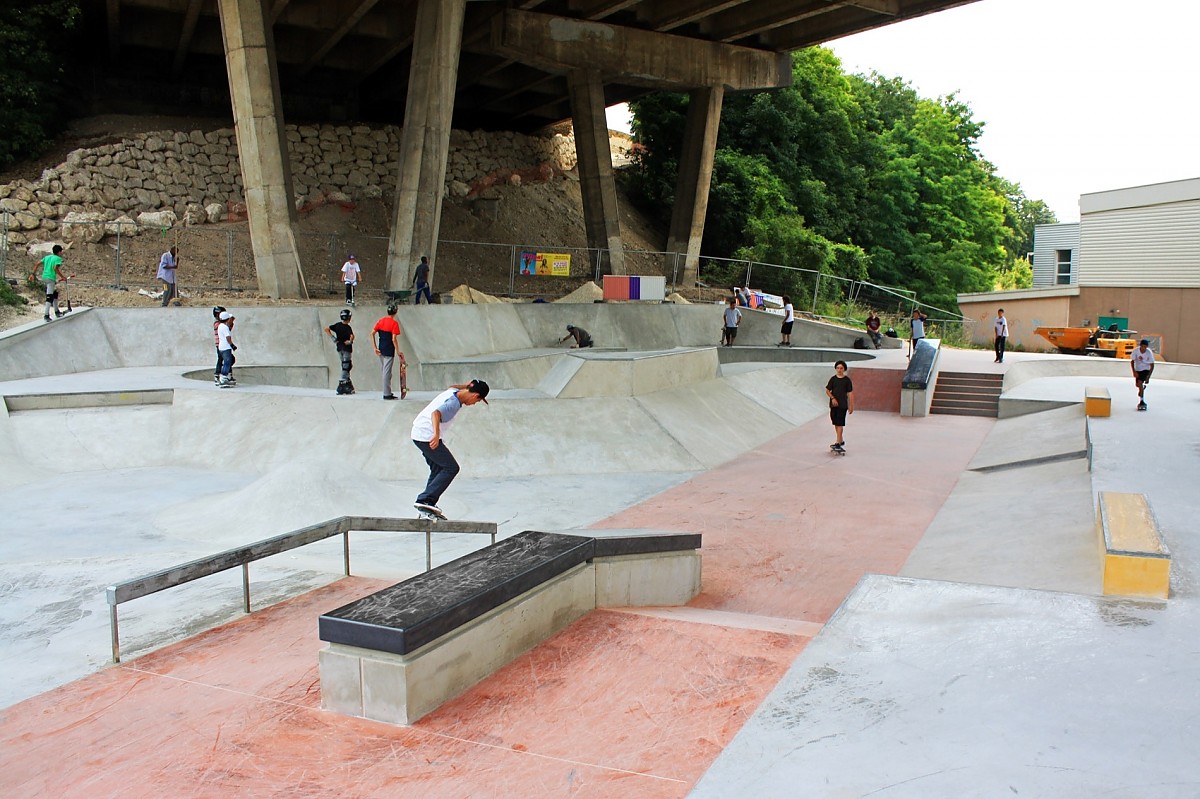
(635, 57)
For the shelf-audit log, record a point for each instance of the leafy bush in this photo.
(32, 50)
(9, 295)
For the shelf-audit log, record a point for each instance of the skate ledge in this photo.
(400, 653)
(1136, 560)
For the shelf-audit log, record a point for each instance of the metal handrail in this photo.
(245, 555)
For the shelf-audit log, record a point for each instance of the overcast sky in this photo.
(1077, 96)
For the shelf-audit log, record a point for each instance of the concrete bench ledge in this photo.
(1097, 401)
(1136, 560)
(399, 653)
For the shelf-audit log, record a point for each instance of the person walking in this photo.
(918, 330)
(582, 339)
(1142, 363)
(1000, 326)
(226, 348)
(51, 276)
(733, 317)
(789, 318)
(427, 431)
(343, 338)
(350, 275)
(421, 282)
(386, 336)
(873, 325)
(840, 390)
(167, 265)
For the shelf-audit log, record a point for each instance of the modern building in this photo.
(1055, 254)
(1132, 260)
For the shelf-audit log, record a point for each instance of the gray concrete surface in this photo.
(990, 667)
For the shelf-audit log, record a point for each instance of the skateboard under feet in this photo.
(427, 513)
(1141, 406)
(837, 449)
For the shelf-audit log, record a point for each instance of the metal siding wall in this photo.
(1047, 240)
(1151, 246)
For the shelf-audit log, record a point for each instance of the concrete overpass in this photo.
(434, 64)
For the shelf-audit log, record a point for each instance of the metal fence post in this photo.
(512, 270)
(117, 260)
(4, 244)
(749, 268)
(816, 291)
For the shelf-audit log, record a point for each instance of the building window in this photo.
(1064, 268)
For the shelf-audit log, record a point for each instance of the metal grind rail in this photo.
(244, 556)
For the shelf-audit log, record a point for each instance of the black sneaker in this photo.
(46, 318)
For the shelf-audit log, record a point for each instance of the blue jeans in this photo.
(423, 289)
(226, 362)
(442, 471)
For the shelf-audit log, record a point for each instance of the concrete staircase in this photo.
(967, 394)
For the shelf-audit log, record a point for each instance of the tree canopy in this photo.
(855, 176)
(33, 51)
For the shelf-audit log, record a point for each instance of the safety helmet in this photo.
(345, 315)
(217, 311)
(570, 327)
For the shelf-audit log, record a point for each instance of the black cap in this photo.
(480, 388)
(1145, 341)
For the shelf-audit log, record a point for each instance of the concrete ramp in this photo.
(624, 375)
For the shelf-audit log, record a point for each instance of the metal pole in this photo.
(112, 626)
(346, 551)
(749, 267)
(816, 288)
(117, 283)
(428, 549)
(4, 243)
(332, 269)
(246, 586)
(512, 270)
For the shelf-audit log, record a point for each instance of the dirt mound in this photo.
(465, 295)
(588, 292)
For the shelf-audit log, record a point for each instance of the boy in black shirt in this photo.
(841, 402)
(343, 337)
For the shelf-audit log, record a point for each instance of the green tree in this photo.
(849, 175)
(33, 50)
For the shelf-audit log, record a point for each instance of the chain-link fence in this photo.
(220, 258)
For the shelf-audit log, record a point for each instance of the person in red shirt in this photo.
(386, 337)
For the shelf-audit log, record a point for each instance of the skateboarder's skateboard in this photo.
(1141, 406)
(837, 449)
(426, 513)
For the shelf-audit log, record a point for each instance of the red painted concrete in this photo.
(619, 704)
(790, 528)
(877, 389)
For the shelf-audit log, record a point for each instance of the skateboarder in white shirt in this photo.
(427, 431)
(350, 272)
(1142, 363)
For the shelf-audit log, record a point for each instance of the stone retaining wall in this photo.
(155, 180)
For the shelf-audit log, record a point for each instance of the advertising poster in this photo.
(546, 264)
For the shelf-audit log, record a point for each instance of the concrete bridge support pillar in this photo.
(425, 140)
(695, 176)
(262, 149)
(596, 180)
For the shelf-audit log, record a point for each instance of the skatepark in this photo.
(924, 616)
